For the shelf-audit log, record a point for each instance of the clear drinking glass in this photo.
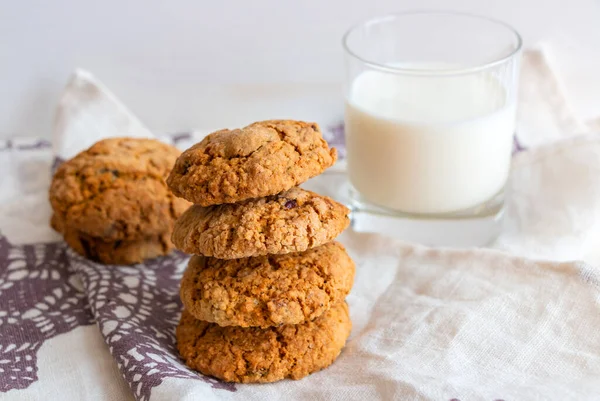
(430, 118)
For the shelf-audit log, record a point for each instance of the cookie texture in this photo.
(254, 355)
(122, 252)
(262, 159)
(267, 290)
(292, 221)
(116, 190)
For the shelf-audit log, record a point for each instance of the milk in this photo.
(428, 145)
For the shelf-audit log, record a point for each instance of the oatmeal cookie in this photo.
(116, 190)
(292, 221)
(262, 159)
(254, 355)
(267, 290)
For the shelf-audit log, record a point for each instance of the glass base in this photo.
(477, 226)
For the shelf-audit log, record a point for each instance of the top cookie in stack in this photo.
(264, 295)
(262, 159)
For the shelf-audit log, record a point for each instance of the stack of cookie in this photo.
(264, 292)
(112, 204)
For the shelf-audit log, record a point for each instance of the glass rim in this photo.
(445, 71)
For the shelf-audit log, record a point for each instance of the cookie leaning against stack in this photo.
(264, 293)
(111, 202)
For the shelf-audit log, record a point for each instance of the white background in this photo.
(210, 64)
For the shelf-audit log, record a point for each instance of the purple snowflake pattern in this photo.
(39, 299)
(336, 137)
(137, 309)
(31, 145)
(517, 147)
(55, 164)
(180, 137)
(36, 145)
(6, 145)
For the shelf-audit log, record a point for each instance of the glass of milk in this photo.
(430, 119)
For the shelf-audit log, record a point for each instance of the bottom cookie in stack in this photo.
(255, 355)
